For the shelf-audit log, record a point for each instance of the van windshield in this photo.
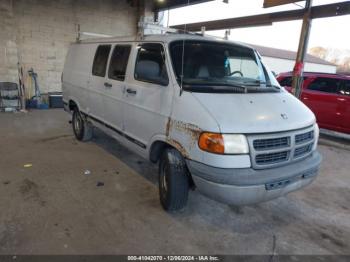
(204, 66)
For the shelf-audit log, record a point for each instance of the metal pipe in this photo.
(303, 44)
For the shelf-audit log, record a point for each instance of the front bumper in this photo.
(249, 186)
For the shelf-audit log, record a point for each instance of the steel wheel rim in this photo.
(77, 123)
(164, 182)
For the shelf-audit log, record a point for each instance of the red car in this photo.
(327, 95)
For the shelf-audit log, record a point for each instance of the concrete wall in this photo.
(283, 65)
(8, 45)
(38, 33)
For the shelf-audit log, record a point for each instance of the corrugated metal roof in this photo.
(289, 55)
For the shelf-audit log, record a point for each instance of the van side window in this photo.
(150, 64)
(100, 61)
(119, 62)
(327, 85)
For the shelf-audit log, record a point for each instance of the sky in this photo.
(331, 32)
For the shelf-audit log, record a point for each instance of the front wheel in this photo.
(81, 128)
(173, 180)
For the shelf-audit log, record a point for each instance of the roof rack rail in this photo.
(97, 35)
(148, 27)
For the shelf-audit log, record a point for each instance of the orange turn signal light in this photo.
(211, 142)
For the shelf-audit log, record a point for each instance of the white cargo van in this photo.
(208, 110)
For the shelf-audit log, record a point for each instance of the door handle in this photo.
(341, 99)
(108, 85)
(131, 91)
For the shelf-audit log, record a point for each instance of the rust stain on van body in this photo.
(178, 146)
(189, 130)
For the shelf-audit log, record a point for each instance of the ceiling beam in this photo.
(322, 11)
(271, 3)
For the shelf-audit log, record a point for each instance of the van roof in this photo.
(165, 38)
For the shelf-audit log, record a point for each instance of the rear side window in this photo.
(345, 88)
(287, 81)
(150, 64)
(327, 85)
(100, 60)
(119, 62)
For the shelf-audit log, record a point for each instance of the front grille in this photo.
(301, 151)
(272, 158)
(305, 137)
(270, 150)
(273, 143)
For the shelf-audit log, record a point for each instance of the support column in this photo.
(302, 49)
(145, 14)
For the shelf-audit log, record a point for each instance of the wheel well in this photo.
(157, 149)
(72, 105)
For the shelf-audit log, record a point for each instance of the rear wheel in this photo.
(173, 180)
(81, 128)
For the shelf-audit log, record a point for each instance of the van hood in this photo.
(256, 112)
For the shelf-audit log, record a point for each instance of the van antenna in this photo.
(183, 57)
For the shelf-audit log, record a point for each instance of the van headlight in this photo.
(235, 144)
(316, 136)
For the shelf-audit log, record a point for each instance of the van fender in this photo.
(74, 100)
(159, 142)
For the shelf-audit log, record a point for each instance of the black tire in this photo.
(81, 128)
(173, 180)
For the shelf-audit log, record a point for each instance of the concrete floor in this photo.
(54, 208)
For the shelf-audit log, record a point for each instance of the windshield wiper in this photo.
(242, 87)
(236, 85)
(258, 83)
(217, 86)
